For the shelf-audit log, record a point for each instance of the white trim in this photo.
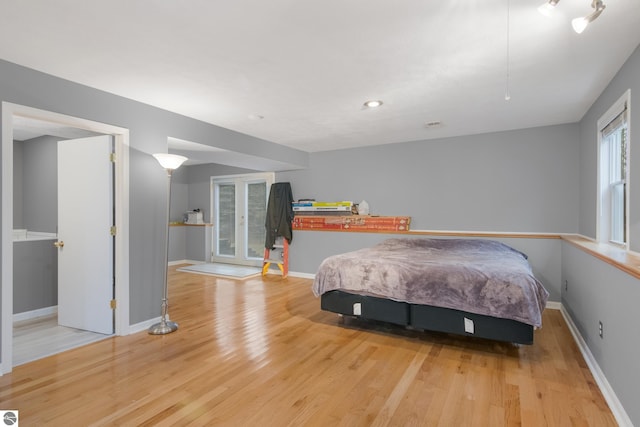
(239, 181)
(554, 305)
(122, 259)
(302, 275)
(603, 121)
(6, 264)
(184, 261)
(143, 326)
(275, 271)
(607, 391)
(121, 217)
(582, 236)
(615, 110)
(34, 314)
(505, 234)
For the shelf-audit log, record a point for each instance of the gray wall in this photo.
(522, 180)
(191, 189)
(179, 194)
(35, 198)
(40, 184)
(626, 78)
(198, 243)
(35, 275)
(200, 184)
(149, 129)
(596, 290)
(192, 243)
(177, 243)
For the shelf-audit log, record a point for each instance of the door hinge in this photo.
(113, 304)
(112, 157)
(113, 230)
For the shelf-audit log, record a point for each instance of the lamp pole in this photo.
(170, 162)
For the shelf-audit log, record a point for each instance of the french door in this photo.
(239, 207)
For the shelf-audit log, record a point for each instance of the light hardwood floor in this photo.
(40, 337)
(260, 352)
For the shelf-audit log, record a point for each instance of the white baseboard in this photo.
(302, 275)
(184, 261)
(143, 326)
(35, 313)
(554, 305)
(275, 270)
(607, 391)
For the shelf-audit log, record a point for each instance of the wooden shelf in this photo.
(352, 223)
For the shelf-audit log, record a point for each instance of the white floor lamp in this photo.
(169, 162)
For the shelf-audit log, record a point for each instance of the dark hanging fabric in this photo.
(279, 213)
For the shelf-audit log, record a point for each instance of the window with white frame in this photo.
(613, 142)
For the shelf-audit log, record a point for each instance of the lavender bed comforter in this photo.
(477, 276)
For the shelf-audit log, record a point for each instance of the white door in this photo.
(239, 208)
(86, 250)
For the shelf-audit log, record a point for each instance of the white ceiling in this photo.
(308, 67)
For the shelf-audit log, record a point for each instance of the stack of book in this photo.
(362, 223)
(322, 208)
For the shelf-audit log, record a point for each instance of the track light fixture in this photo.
(547, 7)
(579, 24)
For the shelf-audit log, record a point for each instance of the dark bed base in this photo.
(427, 317)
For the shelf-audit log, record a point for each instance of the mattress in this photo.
(474, 275)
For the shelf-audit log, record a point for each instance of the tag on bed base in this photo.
(357, 309)
(468, 326)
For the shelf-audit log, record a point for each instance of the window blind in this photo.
(616, 122)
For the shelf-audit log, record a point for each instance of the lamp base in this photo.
(163, 328)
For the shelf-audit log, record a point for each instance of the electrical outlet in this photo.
(600, 329)
(566, 285)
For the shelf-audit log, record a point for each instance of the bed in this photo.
(475, 287)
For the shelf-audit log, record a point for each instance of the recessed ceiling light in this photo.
(373, 104)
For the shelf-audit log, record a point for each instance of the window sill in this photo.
(620, 258)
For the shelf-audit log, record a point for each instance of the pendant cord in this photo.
(507, 94)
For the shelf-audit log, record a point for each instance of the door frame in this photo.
(121, 200)
(269, 177)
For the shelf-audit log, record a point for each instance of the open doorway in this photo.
(12, 114)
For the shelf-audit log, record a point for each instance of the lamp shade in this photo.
(547, 7)
(170, 161)
(579, 24)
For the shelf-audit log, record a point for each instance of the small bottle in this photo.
(363, 208)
